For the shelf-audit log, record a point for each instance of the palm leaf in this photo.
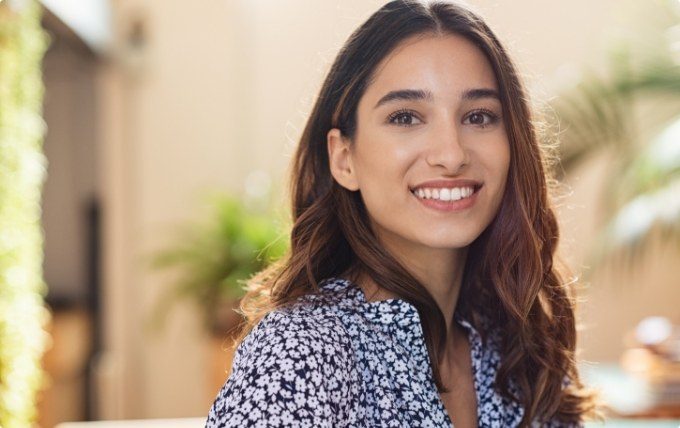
(640, 193)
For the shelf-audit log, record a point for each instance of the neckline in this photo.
(392, 304)
(389, 301)
(402, 306)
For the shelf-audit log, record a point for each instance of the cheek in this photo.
(504, 163)
(496, 158)
(382, 174)
(499, 165)
(383, 162)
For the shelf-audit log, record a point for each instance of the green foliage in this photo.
(621, 113)
(217, 255)
(22, 171)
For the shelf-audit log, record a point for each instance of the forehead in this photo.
(447, 65)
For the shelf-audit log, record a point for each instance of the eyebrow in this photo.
(422, 94)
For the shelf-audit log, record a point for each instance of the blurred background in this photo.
(144, 148)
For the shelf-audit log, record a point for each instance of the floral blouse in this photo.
(347, 362)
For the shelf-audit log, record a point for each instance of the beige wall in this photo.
(617, 295)
(222, 88)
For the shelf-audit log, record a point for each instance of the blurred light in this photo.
(653, 330)
(17, 5)
(257, 184)
(89, 19)
(665, 150)
(634, 219)
(637, 217)
(568, 75)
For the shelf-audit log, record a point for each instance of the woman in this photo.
(419, 289)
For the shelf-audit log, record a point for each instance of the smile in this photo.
(444, 194)
(447, 199)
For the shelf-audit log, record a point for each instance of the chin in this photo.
(450, 243)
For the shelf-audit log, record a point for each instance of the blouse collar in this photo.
(401, 321)
(387, 312)
(398, 318)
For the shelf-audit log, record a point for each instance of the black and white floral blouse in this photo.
(347, 362)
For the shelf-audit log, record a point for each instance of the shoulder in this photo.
(292, 367)
(295, 335)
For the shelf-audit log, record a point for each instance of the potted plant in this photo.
(216, 256)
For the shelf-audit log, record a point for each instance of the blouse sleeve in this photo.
(289, 371)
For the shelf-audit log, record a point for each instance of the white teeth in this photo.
(444, 194)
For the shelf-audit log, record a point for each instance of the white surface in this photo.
(143, 423)
(90, 20)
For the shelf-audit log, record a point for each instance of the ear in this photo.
(340, 160)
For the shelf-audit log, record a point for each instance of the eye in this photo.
(402, 118)
(478, 118)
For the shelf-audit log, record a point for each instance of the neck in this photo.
(440, 271)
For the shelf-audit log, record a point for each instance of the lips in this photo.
(441, 183)
(435, 187)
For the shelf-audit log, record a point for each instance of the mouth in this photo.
(447, 200)
(446, 194)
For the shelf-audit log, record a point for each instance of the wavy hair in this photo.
(511, 280)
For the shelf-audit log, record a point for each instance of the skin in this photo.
(446, 137)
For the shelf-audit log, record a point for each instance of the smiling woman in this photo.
(453, 146)
(420, 288)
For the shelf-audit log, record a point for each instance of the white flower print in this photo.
(337, 360)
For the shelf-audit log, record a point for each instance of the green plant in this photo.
(22, 171)
(630, 113)
(217, 255)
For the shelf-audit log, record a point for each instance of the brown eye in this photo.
(481, 118)
(477, 118)
(402, 118)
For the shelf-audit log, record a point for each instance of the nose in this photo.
(445, 148)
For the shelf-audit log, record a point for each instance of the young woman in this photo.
(420, 288)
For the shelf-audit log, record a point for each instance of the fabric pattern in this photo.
(337, 360)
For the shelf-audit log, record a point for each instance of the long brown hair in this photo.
(510, 279)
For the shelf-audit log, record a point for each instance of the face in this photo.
(429, 128)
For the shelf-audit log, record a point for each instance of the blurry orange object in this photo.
(654, 357)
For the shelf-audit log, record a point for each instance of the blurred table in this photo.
(628, 399)
(639, 423)
(625, 396)
(141, 423)
(200, 423)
